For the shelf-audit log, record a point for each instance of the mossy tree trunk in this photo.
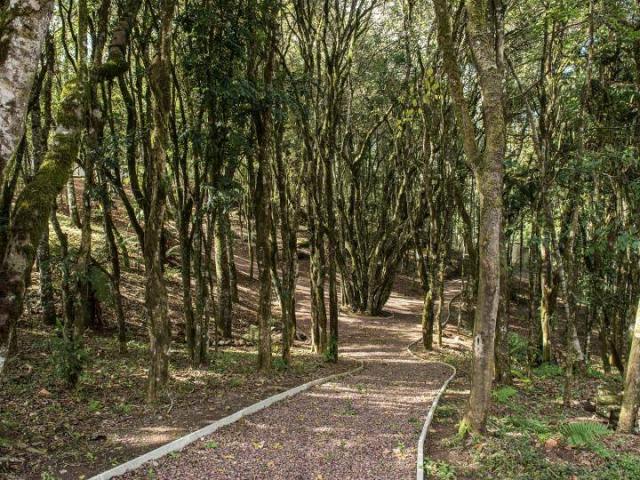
(91, 145)
(33, 207)
(260, 74)
(186, 254)
(231, 260)
(22, 32)
(486, 45)
(41, 124)
(288, 227)
(114, 258)
(631, 398)
(332, 274)
(545, 298)
(72, 203)
(428, 314)
(503, 357)
(155, 287)
(316, 280)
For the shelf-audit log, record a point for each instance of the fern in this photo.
(526, 424)
(518, 347)
(504, 394)
(583, 434)
(548, 370)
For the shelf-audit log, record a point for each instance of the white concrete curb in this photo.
(432, 410)
(182, 442)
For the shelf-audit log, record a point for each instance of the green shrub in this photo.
(94, 405)
(504, 394)
(518, 348)
(279, 364)
(583, 434)
(101, 285)
(446, 411)
(439, 470)
(68, 357)
(548, 370)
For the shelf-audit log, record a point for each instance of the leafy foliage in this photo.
(518, 346)
(583, 434)
(504, 394)
(68, 357)
(101, 285)
(439, 470)
(548, 370)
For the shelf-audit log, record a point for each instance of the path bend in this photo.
(363, 426)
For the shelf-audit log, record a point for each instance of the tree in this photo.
(23, 28)
(155, 288)
(631, 399)
(486, 43)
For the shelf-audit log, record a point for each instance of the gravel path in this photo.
(363, 427)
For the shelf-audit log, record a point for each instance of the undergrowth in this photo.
(531, 436)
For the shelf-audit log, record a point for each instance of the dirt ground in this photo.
(50, 432)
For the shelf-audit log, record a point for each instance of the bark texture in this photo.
(33, 207)
(155, 288)
(21, 40)
(488, 169)
(631, 399)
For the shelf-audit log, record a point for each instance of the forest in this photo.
(319, 239)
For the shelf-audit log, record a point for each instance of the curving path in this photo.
(364, 426)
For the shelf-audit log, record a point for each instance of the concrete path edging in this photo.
(427, 423)
(182, 442)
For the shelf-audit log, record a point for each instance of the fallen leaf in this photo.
(551, 444)
(43, 392)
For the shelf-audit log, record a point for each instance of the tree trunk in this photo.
(427, 308)
(201, 317)
(503, 357)
(263, 126)
(231, 260)
(332, 345)
(487, 57)
(631, 399)
(22, 32)
(84, 317)
(40, 136)
(155, 288)
(32, 210)
(316, 280)
(114, 257)
(223, 277)
(72, 203)
(263, 257)
(440, 308)
(185, 271)
(545, 307)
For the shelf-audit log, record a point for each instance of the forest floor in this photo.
(50, 432)
(363, 426)
(531, 435)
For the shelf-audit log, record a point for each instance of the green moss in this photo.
(34, 202)
(110, 69)
(464, 428)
